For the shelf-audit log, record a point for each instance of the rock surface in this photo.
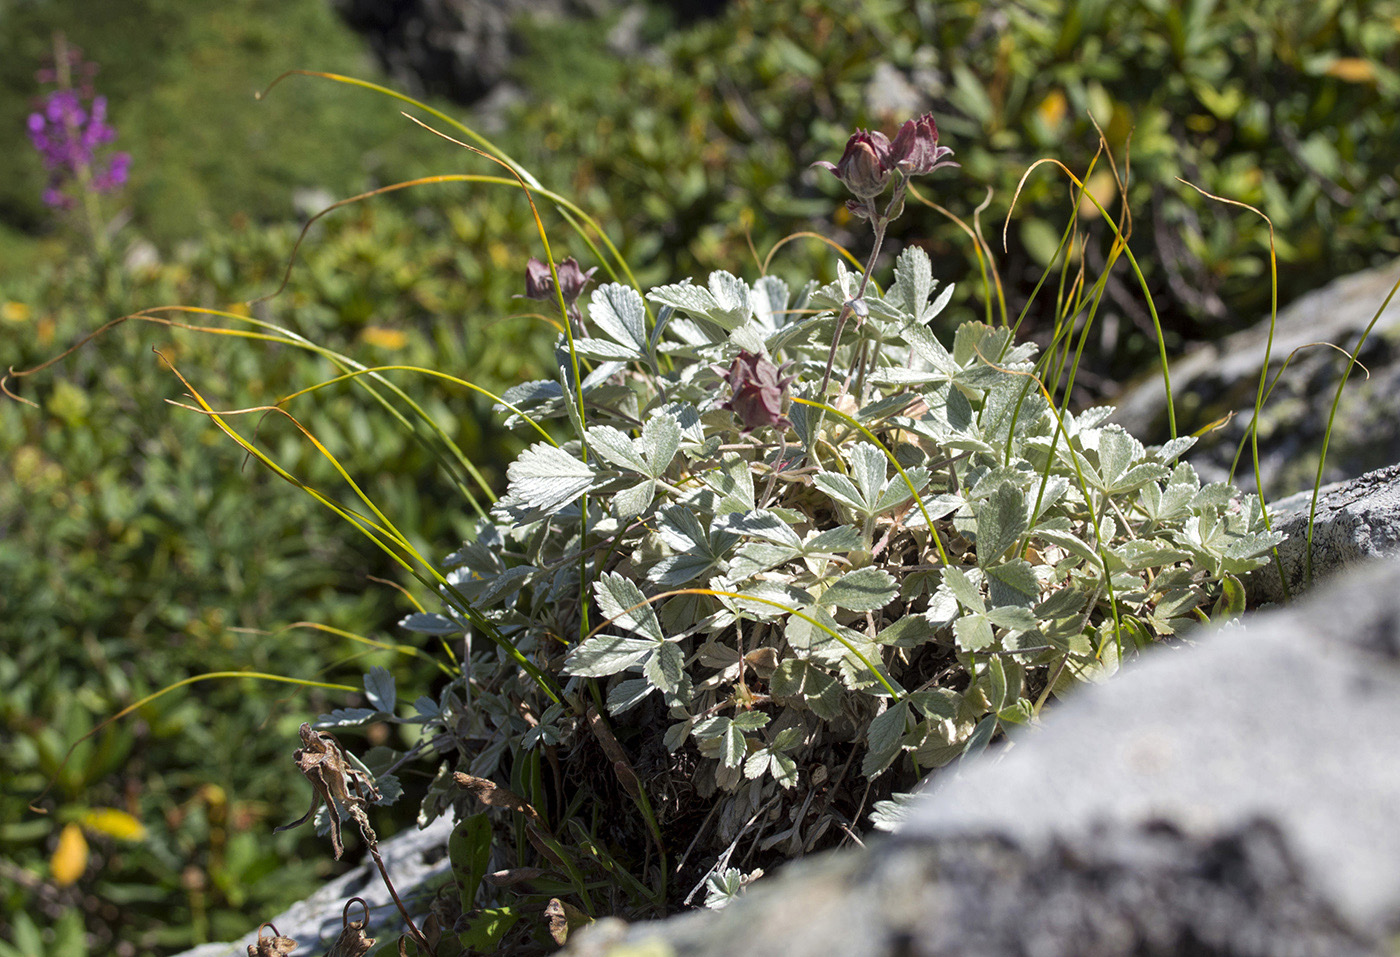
(1222, 379)
(412, 860)
(1356, 521)
(1235, 798)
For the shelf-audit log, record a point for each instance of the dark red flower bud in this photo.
(759, 388)
(539, 284)
(915, 149)
(865, 166)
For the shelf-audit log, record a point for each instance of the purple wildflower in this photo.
(759, 388)
(539, 284)
(865, 166)
(69, 130)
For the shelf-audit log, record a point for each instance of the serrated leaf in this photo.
(661, 439)
(622, 602)
(963, 589)
(626, 695)
(913, 282)
(426, 707)
(630, 502)
(733, 746)
(666, 668)
(430, 624)
(800, 679)
(1013, 583)
(883, 739)
(379, 689)
(897, 491)
(619, 311)
(868, 468)
(345, 718)
(544, 479)
(973, 631)
(981, 737)
(1001, 520)
(865, 589)
(605, 655)
(842, 489)
(617, 448)
(833, 541)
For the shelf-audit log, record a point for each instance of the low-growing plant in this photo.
(776, 553)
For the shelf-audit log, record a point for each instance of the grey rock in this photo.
(413, 860)
(1222, 379)
(1232, 798)
(455, 48)
(1355, 521)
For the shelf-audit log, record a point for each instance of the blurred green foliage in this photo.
(138, 548)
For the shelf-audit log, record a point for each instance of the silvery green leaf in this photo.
(1072, 544)
(617, 448)
(942, 607)
(544, 479)
(504, 586)
(981, 737)
(734, 483)
(900, 376)
(661, 439)
(1167, 452)
(733, 746)
(685, 296)
(751, 720)
(1217, 494)
(633, 501)
(913, 282)
(770, 301)
(665, 668)
(677, 734)
(764, 525)
(891, 814)
(346, 718)
(1013, 583)
(968, 594)
(769, 601)
(1118, 451)
(927, 348)
(602, 349)
(1063, 603)
(833, 541)
(680, 528)
(897, 491)
(1013, 406)
(1001, 520)
(426, 707)
(605, 655)
(1148, 553)
(883, 739)
(865, 589)
(622, 602)
(753, 558)
(840, 488)
(910, 631)
(748, 337)
(938, 506)
(868, 467)
(799, 679)
(733, 300)
(1012, 618)
(936, 703)
(975, 342)
(784, 770)
(379, 689)
(973, 631)
(430, 624)
(619, 311)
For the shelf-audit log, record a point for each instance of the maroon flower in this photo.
(539, 284)
(865, 166)
(915, 149)
(759, 388)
